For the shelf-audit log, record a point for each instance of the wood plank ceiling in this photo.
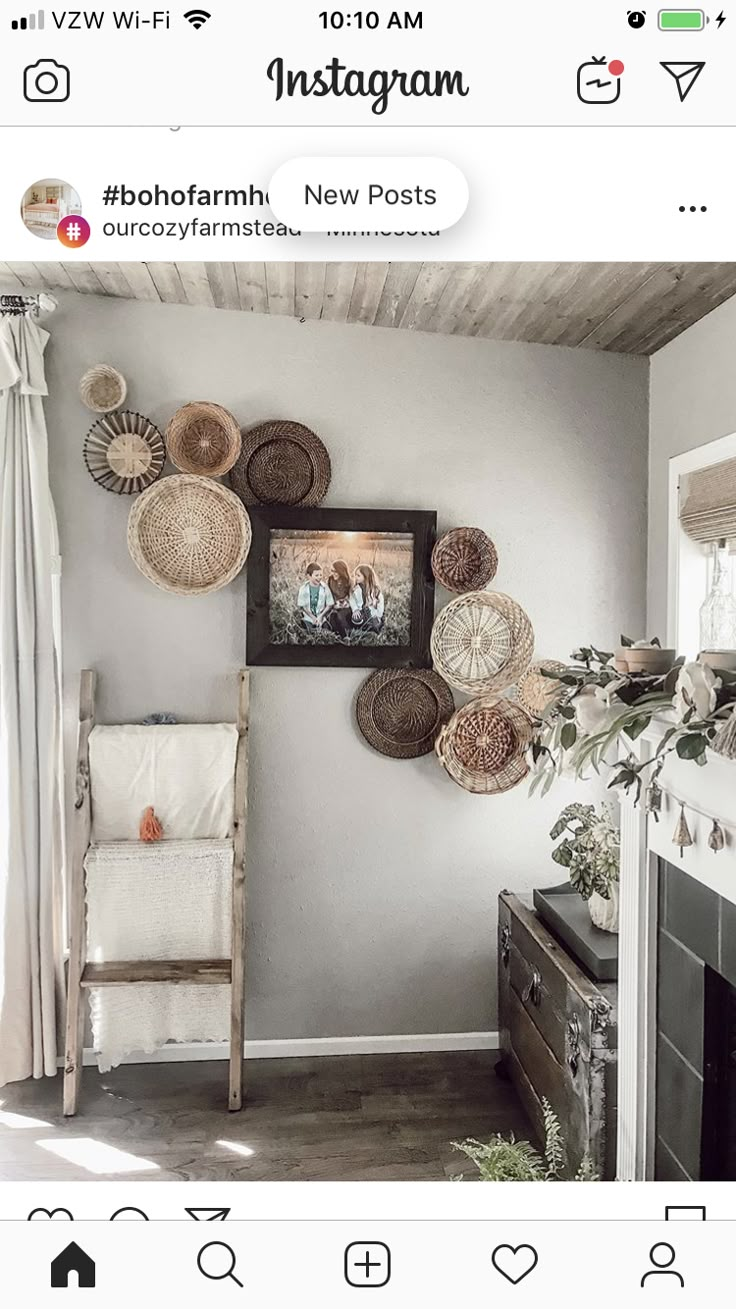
(626, 308)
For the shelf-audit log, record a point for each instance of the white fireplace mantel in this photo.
(708, 792)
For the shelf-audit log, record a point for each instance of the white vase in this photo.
(604, 913)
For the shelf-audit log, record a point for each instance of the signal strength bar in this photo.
(33, 23)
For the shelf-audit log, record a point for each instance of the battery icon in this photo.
(682, 20)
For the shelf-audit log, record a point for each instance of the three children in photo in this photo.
(345, 604)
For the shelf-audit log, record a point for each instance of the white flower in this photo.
(696, 687)
(593, 710)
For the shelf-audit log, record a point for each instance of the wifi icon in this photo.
(197, 17)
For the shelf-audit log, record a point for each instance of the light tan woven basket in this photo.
(203, 438)
(536, 692)
(188, 535)
(103, 389)
(482, 642)
(484, 746)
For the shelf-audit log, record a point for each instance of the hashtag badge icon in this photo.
(73, 231)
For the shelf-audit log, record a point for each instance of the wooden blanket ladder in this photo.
(201, 972)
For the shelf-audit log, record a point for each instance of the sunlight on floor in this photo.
(96, 1157)
(20, 1120)
(236, 1147)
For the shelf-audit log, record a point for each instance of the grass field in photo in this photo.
(390, 554)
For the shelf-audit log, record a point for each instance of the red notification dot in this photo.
(615, 68)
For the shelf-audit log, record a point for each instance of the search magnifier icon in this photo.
(216, 1260)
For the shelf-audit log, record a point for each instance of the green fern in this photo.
(507, 1160)
(501, 1160)
(554, 1146)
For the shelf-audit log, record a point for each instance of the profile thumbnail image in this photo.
(45, 204)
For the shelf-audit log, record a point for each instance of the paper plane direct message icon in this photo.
(210, 1215)
(685, 75)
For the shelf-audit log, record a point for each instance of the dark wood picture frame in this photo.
(421, 523)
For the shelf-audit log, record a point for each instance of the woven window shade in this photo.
(708, 502)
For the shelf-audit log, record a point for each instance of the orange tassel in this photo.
(150, 828)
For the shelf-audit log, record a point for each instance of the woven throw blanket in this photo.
(169, 900)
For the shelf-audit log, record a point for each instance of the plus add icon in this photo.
(367, 1263)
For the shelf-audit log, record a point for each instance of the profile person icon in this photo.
(662, 1256)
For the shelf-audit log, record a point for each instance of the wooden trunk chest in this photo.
(558, 1036)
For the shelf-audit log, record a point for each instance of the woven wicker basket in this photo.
(484, 745)
(536, 692)
(203, 438)
(401, 710)
(482, 642)
(124, 452)
(103, 389)
(464, 559)
(189, 535)
(282, 463)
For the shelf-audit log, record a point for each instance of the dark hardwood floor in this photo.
(362, 1118)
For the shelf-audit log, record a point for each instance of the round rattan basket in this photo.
(484, 746)
(536, 692)
(103, 389)
(400, 711)
(464, 559)
(189, 535)
(282, 463)
(482, 642)
(203, 438)
(124, 452)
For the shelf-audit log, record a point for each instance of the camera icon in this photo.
(46, 80)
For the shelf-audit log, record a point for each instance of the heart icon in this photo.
(514, 1262)
(49, 1213)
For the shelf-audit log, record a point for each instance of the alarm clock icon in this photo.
(637, 18)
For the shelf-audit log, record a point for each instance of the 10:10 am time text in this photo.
(369, 20)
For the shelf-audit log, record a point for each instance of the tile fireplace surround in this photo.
(680, 910)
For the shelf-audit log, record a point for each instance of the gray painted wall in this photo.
(393, 932)
(693, 401)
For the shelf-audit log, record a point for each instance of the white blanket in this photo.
(169, 900)
(186, 771)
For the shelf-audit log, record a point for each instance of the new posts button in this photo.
(369, 194)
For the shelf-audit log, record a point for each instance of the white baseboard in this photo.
(426, 1043)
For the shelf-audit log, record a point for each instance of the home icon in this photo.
(73, 1260)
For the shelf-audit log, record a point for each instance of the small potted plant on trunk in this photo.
(590, 851)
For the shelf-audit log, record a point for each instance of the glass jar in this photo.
(718, 611)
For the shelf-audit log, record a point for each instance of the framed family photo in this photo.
(340, 587)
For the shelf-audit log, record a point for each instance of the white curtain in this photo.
(30, 847)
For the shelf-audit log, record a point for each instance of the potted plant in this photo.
(590, 851)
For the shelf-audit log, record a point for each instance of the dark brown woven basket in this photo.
(464, 559)
(401, 711)
(281, 463)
